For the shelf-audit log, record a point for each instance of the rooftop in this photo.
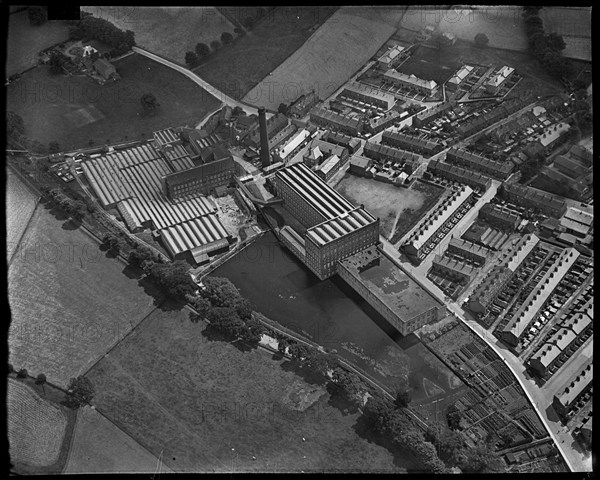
(389, 283)
(335, 228)
(411, 79)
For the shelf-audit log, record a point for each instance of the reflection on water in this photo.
(332, 314)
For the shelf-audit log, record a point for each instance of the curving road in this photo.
(225, 99)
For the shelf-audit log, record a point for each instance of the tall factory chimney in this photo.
(265, 158)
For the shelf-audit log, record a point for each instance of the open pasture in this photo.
(209, 406)
(76, 110)
(69, 303)
(336, 51)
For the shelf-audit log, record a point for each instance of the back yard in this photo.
(210, 405)
(237, 68)
(74, 110)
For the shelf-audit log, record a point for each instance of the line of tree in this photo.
(547, 48)
(90, 27)
(77, 209)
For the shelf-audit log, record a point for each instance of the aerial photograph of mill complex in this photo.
(299, 239)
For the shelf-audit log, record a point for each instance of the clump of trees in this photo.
(481, 40)
(173, 278)
(79, 393)
(149, 102)
(215, 45)
(226, 38)
(112, 243)
(191, 59)
(547, 48)
(100, 29)
(75, 208)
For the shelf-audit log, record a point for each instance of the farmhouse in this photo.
(105, 69)
(427, 87)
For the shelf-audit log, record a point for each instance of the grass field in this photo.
(337, 50)
(502, 25)
(20, 205)
(35, 427)
(98, 446)
(25, 41)
(73, 110)
(69, 303)
(383, 200)
(211, 406)
(575, 25)
(167, 31)
(237, 68)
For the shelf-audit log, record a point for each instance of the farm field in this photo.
(167, 31)
(430, 64)
(336, 51)
(503, 25)
(69, 303)
(36, 427)
(575, 25)
(211, 406)
(239, 67)
(98, 446)
(25, 41)
(20, 205)
(383, 200)
(74, 110)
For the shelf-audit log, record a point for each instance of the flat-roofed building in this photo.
(335, 228)
(565, 342)
(530, 197)
(436, 220)
(336, 121)
(565, 399)
(517, 326)
(427, 148)
(469, 250)
(499, 217)
(459, 271)
(461, 75)
(488, 290)
(428, 87)
(463, 158)
(473, 179)
(368, 94)
(389, 290)
(390, 58)
(293, 143)
(498, 79)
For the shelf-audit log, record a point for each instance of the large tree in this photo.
(220, 292)
(202, 50)
(149, 102)
(79, 393)
(226, 38)
(215, 45)
(481, 40)
(191, 59)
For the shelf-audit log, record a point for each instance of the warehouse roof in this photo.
(335, 228)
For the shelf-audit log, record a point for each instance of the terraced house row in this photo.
(401, 158)
(473, 179)
(427, 148)
(472, 161)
